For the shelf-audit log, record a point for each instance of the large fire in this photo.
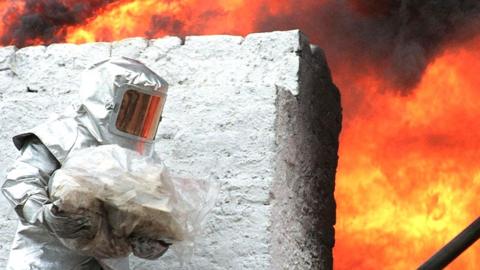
(408, 175)
(409, 178)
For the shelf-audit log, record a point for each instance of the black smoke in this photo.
(395, 39)
(165, 23)
(46, 20)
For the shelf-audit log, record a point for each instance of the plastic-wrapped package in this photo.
(125, 194)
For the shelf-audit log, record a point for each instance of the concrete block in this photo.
(131, 47)
(6, 57)
(257, 114)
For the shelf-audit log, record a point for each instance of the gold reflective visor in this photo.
(140, 114)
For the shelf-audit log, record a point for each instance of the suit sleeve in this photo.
(26, 184)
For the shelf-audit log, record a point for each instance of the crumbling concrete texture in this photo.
(257, 114)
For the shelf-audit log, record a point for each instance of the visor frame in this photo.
(119, 92)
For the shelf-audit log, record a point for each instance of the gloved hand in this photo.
(149, 249)
(64, 226)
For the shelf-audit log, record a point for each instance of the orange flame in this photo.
(4, 7)
(158, 18)
(409, 178)
(408, 173)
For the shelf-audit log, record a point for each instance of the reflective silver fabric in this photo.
(25, 188)
(44, 149)
(98, 96)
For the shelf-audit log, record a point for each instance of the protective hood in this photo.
(122, 100)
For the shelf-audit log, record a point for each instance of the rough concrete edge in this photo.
(308, 125)
(6, 62)
(183, 40)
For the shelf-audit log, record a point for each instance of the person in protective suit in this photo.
(121, 103)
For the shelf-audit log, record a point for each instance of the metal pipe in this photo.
(454, 248)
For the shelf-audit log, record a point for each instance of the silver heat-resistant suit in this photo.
(44, 148)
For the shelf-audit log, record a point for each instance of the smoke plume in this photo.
(394, 39)
(46, 20)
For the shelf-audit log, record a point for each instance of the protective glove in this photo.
(63, 226)
(149, 249)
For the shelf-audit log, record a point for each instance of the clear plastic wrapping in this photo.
(125, 194)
